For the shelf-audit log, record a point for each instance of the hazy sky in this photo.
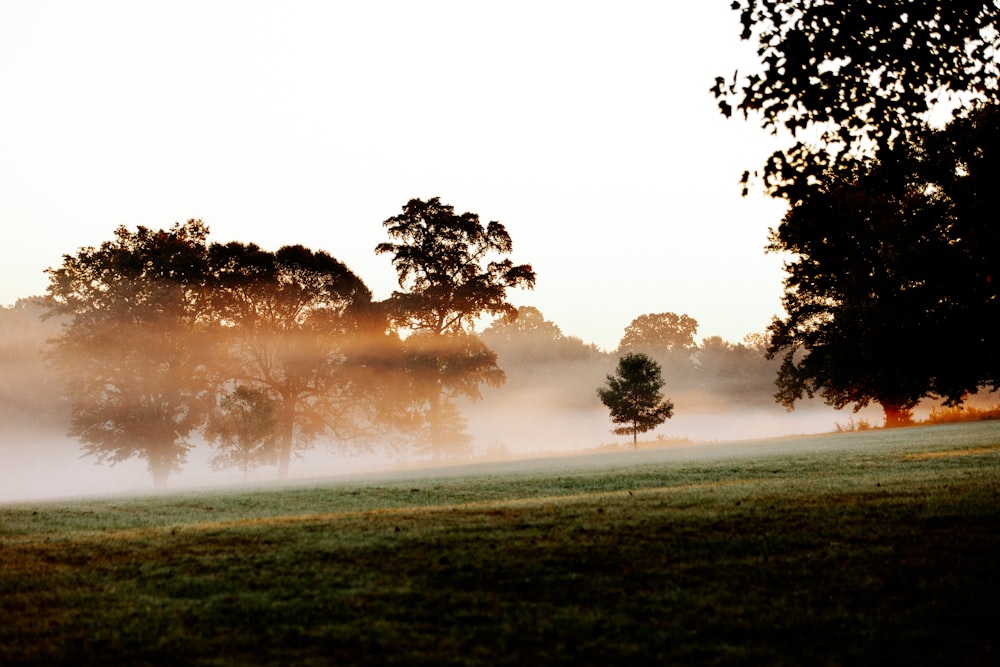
(586, 128)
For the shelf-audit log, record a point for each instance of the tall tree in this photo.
(297, 324)
(848, 78)
(633, 396)
(450, 272)
(133, 355)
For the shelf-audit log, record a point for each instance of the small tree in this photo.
(633, 395)
(243, 428)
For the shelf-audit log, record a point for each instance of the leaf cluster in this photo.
(847, 78)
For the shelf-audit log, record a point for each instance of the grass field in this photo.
(879, 547)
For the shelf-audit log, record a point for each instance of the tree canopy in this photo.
(448, 265)
(633, 396)
(660, 334)
(243, 426)
(847, 78)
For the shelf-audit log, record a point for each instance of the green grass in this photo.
(860, 548)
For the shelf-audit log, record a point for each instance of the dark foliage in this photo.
(858, 75)
(633, 395)
(891, 294)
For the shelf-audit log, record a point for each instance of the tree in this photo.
(892, 292)
(527, 325)
(530, 340)
(545, 369)
(666, 337)
(243, 426)
(660, 334)
(850, 78)
(738, 373)
(133, 356)
(297, 324)
(31, 397)
(633, 395)
(448, 268)
(890, 295)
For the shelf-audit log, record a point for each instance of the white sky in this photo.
(586, 128)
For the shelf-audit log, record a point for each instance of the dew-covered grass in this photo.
(860, 548)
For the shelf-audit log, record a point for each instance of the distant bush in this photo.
(851, 425)
(661, 441)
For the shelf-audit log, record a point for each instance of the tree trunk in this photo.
(435, 425)
(160, 473)
(896, 415)
(286, 436)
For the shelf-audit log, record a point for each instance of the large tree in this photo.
(891, 226)
(133, 355)
(451, 273)
(634, 397)
(890, 294)
(299, 325)
(848, 78)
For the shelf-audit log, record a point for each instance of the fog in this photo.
(547, 407)
(37, 467)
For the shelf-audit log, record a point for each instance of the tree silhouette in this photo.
(891, 294)
(849, 78)
(633, 395)
(449, 269)
(134, 356)
(660, 334)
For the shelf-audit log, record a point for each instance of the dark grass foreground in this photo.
(872, 553)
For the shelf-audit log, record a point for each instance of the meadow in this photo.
(854, 548)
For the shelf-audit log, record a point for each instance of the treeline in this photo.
(540, 360)
(166, 338)
(245, 400)
(158, 339)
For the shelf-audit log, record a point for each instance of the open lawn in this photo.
(879, 547)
